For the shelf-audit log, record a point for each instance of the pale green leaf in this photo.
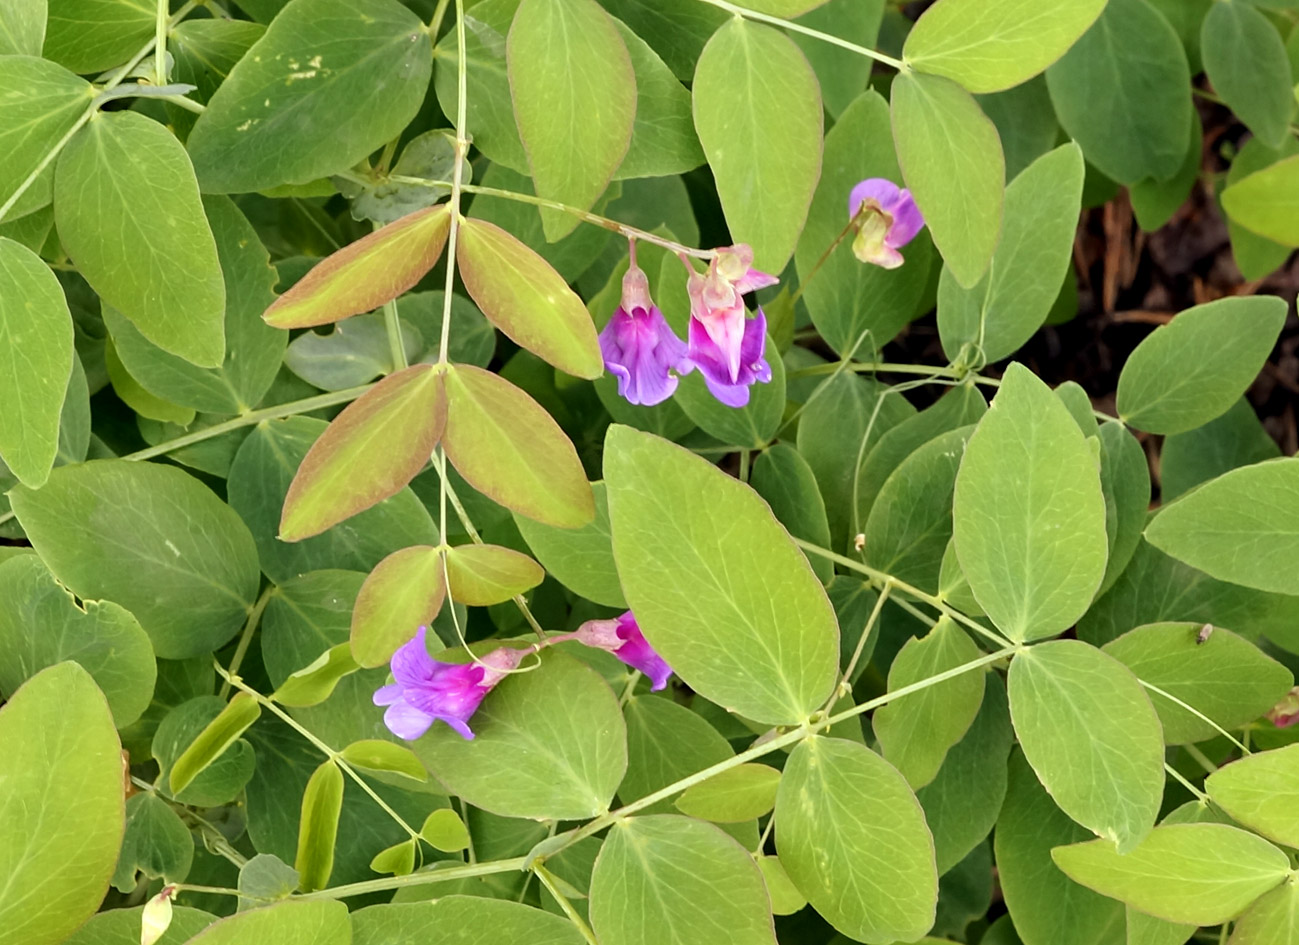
(122, 927)
(22, 27)
(460, 920)
(378, 755)
(92, 35)
(579, 558)
(211, 743)
(315, 682)
(1265, 202)
(405, 589)
(445, 831)
(1237, 438)
(1125, 483)
(40, 102)
(785, 480)
(483, 575)
(842, 73)
(1245, 59)
(1272, 920)
(1260, 791)
(304, 922)
(322, 805)
(737, 794)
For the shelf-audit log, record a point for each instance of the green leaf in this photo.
(751, 426)
(460, 920)
(398, 859)
(151, 538)
(265, 878)
(259, 480)
(1259, 792)
(42, 624)
(785, 897)
(1048, 908)
(784, 479)
(222, 732)
(1245, 59)
(133, 394)
(857, 307)
(663, 138)
(405, 589)
(765, 172)
(677, 29)
(757, 636)
(841, 73)
(989, 47)
(322, 804)
(1191, 370)
(737, 794)
(579, 558)
(1154, 201)
(430, 155)
(1235, 439)
(305, 101)
(222, 780)
(122, 927)
(315, 682)
(22, 28)
(371, 451)
(1125, 483)
(1015, 295)
(157, 843)
(916, 731)
(445, 831)
(39, 104)
(62, 818)
(846, 822)
(1132, 60)
(574, 96)
(952, 160)
(378, 755)
(355, 352)
(1032, 544)
(524, 297)
(93, 35)
(1242, 527)
(1265, 201)
(1201, 874)
(128, 213)
(1225, 677)
(1091, 734)
(363, 275)
(253, 349)
(302, 922)
(566, 769)
(36, 346)
(1272, 920)
(482, 575)
(508, 448)
(645, 887)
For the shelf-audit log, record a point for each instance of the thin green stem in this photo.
(629, 690)
(211, 890)
(766, 832)
(852, 222)
(1181, 779)
(250, 625)
(469, 837)
(807, 31)
(1201, 758)
(574, 916)
(160, 43)
(744, 465)
(1198, 714)
(845, 683)
(435, 21)
(392, 325)
(468, 871)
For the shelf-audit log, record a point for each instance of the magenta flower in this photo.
(427, 689)
(721, 337)
(889, 219)
(730, 388)
(1286, 712)
(639, 347)
(622, 637)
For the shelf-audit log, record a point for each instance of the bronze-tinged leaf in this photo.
(404, 590)
(523, 296)
(371, 450)
(482, 575)
(363, 275)
(510, 449)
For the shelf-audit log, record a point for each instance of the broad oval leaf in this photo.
(303, 103)
(371, 451)
(1242, 527)
(718, 587)
(459, 920)
(1015, 295)
(128, 214)
(987, 47)
(219, 734)
(579, 558)
(846, 822)
(40, 102)
(300, 922)
(1028, 512)
(574, 96)
(1125, 483)
(952, 160)
(405, 589)
(445, 831)
(1265, 202)
(22, 28)
(766, 172)
(570, 775)
(1272, 920)
(62, 818)
(1245, 59)
(42, 624)
(524, 297)
(363, 275)
(1191, 370)
(157, 843)
(322, 804)
(1237, 438)
(508, 448)
(1260, 792)
(737, 794)
(785, 480)
(35, 362)
(315, 682)
(482, 575)
(122, 927)
(1225, 677)
(151, 538)
(663, 139)
(1132, 61)
(1092, 737)
(93, 35)
(1201, 874)
(645, 887)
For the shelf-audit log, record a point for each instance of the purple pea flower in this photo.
(721, 339)
(706, 354)
(622, 637)
(639, 347)
(427, 689)
(889, 219)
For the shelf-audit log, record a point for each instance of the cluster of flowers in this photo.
(426, 689)
(647, 357)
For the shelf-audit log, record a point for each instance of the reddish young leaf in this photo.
(482, 575)
(363, 275)
(524, 297)
(508, 448)
(405, 589)
(371, 450)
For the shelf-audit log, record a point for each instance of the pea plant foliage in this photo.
(455, 489)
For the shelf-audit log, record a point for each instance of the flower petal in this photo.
(411, 664)
(883, 191)
(907, 221)
(406, 721)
